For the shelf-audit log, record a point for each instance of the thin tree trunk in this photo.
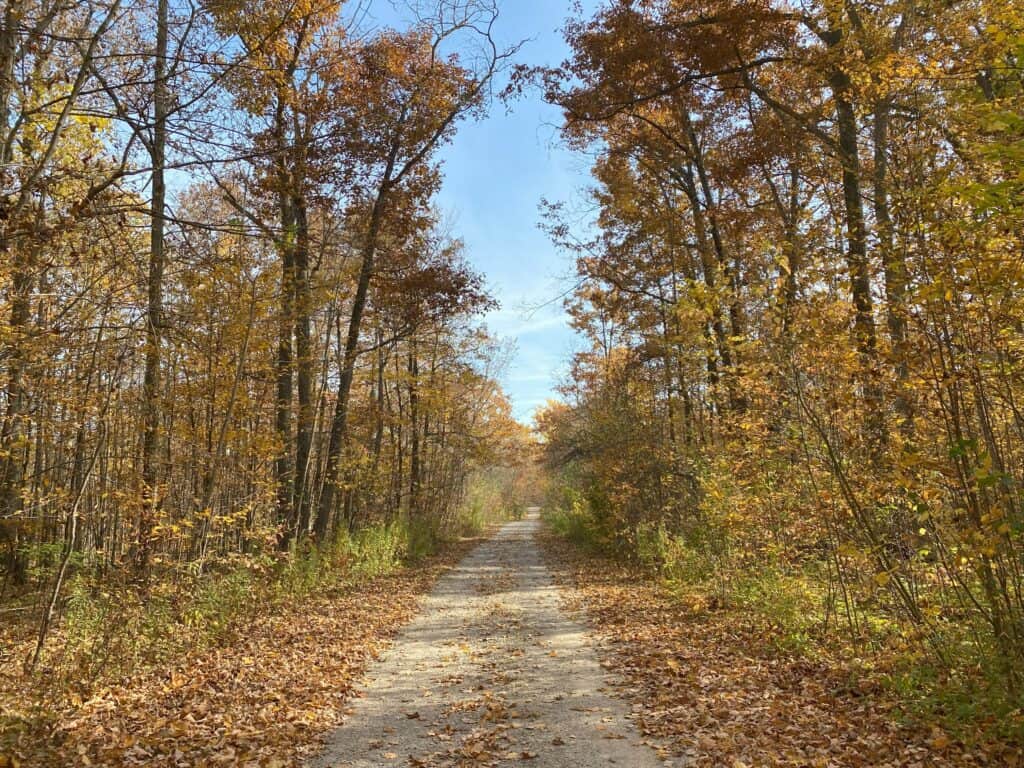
(414, 436)
(151, 394)
(894, 267)
(339, 424)
(217, 455)
(71, 536)
(378, 428)
(306, 412)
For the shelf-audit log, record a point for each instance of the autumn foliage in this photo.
(243, 376)
(801, 289)
(236, 342)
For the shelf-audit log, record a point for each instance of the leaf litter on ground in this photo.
(263, 699)
(713, 689)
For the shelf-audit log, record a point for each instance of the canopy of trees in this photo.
(232, 319)
(802, 294)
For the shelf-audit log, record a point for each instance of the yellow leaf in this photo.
(939, 739)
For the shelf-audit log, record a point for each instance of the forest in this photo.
(251, 411)
(802, 294)
(235, 327)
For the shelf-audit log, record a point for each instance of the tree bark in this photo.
(339, 422)
(857, 254)
(894, 267)
(283, 466)
(306, 412)
(151, 394)
(414, 436)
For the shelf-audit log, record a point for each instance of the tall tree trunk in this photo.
(857, 255)
(13, 432)
(729, 270)
(306, 413)
(414, 437)
(379, 405)
(705, 199)
(339, 423)
(151, 394)
(709, 269)
(793, 255)
(894, 267)
(284, 468)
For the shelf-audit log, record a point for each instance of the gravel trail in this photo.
(491, 673)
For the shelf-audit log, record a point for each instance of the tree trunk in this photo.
(709, 269)
(306, 413)
(284, 469)
(13, 433)
(379, 405)
(857, 258)
(151, 394)
(414, 436)
(339, 423)
(894, 267)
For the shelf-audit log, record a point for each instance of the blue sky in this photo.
(495, 173)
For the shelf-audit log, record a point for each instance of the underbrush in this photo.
(799, 610)
(492, 496)
(695, 571)
(573, 518)
(112, 631)
(713, 686)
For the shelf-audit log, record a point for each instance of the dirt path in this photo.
(492, 672)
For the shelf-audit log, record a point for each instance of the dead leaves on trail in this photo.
(718, 693)
(260, 701)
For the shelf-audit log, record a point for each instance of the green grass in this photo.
(109, 629)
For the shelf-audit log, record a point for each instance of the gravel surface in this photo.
(492, 672)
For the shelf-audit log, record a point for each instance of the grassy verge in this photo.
(243, 665)
(747, 667)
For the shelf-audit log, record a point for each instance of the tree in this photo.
(785, 211)
(408, 101)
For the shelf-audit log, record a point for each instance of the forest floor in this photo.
(715, 688)
(262, 697)
(527, 650)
